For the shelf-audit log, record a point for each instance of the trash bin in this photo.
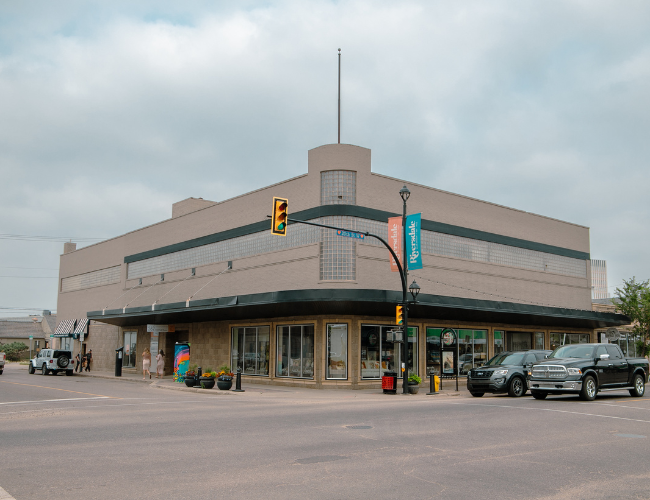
(118, 361)
(389, 383)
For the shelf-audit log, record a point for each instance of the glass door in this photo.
(130, 340)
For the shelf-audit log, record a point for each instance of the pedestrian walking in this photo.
(89, 358)
(160, 364)
(146, 362)
(77, 368)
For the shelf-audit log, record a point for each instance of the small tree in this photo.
(634, 301)
(13, 350)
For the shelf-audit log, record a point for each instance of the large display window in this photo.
(472, 350)
(380, 354)
(499, 345)
(337, 351)
(560, 339)
(130, 343)
(295, 351)
(250, 350)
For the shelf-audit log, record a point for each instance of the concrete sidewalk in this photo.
(448, 386)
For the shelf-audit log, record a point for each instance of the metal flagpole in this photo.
(339, 96)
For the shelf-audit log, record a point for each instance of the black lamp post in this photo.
(405, 193)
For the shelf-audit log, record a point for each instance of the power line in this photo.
(41, 268)
(60, 239)
(32, 277)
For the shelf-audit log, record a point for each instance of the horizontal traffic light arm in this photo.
(365, 233)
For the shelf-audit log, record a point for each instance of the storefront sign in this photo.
(161, 328)
(414, 254)
(395, 241)
(612, 334)
(448, 362)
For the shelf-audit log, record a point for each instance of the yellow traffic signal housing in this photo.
(280, 221)
(399, 314)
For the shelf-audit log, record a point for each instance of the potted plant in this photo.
(224, 378)
(414, 382)
(206, 380)
(190, 377)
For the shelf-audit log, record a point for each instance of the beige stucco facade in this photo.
(124, 303)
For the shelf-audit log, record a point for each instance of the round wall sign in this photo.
(448, 337)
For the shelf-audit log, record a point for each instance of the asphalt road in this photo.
(77, 437)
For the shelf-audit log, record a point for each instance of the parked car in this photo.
(3, 358)
(505, 372)
(586, 369)
(52, 361)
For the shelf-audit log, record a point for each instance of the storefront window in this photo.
(498, 341)
(560, 339)
(130, 339)
(337, 351)
(295, 351)
(379, 354)
(539, 340)
(66, 343)
(433, 351)
(472, 350)
(250, 350)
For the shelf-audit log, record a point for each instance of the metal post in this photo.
(405, 335)
(238, 381)
(339, 96)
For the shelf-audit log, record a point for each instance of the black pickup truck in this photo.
(585, 369)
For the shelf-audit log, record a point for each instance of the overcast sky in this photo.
(112, 111)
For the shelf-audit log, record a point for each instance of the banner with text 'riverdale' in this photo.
(413, 252)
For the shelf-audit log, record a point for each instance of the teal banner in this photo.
(413, 252)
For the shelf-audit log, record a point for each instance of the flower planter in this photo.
(224, 385)
(191, 381)
(206, 382)
(413, 388)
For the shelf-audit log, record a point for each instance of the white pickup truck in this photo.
(3, 358)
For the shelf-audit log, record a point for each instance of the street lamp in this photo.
(415, 290)
(404, 193)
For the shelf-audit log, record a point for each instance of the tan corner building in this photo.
(314, 308)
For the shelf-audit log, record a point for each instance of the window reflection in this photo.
(295, 351)
(250, 350)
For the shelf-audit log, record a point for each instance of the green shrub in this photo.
(13, 350)
(415, 379)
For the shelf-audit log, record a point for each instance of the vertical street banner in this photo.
(413, 252)
(395, 241)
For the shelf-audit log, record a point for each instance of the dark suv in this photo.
(505, 372)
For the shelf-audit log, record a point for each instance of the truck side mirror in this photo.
(604, 356)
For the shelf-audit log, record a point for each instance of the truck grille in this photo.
(549, 371)
(480, 374)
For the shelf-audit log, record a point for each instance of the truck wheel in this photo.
(31, 369)
(639, 387)
(516, 388)
(63, 361)
(477, 394)
(44, 370)
(589, 389)
(539, 395)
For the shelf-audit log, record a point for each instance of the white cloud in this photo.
(120, 109)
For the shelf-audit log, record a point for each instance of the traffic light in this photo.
(280, 221)
(399, 314)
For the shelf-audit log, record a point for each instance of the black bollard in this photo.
(432, 384)
(238, 381)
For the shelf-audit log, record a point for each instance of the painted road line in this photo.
(5, 496)
(53, 400)
(97, 406)
(616, 406)
(55, 389)
(552, 410)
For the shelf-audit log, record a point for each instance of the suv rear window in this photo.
(62, 353)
